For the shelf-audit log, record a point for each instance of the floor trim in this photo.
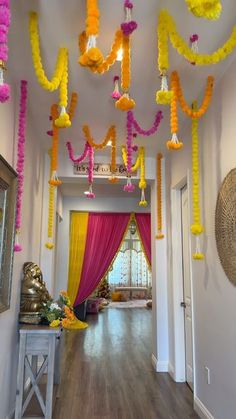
(201, 409)
(171, 371)
(162, 366)
(154, 362)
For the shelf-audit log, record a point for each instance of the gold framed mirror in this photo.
(8, 189)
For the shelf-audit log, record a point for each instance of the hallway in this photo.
(107, 372)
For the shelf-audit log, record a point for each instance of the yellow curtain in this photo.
(78, 234)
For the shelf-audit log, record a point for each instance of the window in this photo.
(130, 267)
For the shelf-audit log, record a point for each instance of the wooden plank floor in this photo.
(107, 372)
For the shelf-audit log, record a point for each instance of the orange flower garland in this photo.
(125, 103)
(159, 235)
(174, 143)
(184, 106)
(110, 136)
(178, 97)
(51, 206)
(107, 62)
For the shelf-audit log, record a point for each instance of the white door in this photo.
(186, 304)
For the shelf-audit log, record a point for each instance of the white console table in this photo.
(35, 342)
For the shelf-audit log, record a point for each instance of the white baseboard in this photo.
(162, 366)
(171, 371)
(11, 415)
(201, 409)
(154, 362)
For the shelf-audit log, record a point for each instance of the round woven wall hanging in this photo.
(225, 225)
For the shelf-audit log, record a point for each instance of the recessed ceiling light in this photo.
(109, 143)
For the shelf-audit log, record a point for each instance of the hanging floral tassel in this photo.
(164, 96)
(129, 25)
(194, 44)
(20, 161)
(92, 57)
(90, 174)
(142, 183)
(129, 187)
(63, 121)
(174, 143)
(125, 103)
(160, 234)
(51, 208)
(54, 180)
(5, 18)
(116, 92)
(196, 228)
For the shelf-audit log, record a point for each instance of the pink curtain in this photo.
(144, 227)
(104, 235)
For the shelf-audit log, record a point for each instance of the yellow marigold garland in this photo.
(60, 76)
(196, 227)
(167, 30)
(110, 136)
(209, 9)
(139, 164)
(160, 234)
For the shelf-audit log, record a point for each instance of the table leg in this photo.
(20, 377)
(50, 378)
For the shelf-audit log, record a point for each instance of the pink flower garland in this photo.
(88, 151)
(5, 18)
(132, 123)
(20, 160)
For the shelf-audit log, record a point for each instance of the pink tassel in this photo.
(116, 92)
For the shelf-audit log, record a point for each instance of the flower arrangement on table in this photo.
(61, 313)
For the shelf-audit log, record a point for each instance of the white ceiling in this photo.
(60, 23)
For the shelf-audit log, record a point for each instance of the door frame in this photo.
(179, 368)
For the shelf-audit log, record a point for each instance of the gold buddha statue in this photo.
(33, 294)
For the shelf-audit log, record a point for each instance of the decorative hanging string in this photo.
(209, 9)
(5, 19)
(51, 205)
(174, 143)
(196, 228)
(194, 44)
(20, 160)
(139, 164)
(160, 234)
(116, 91)
(88, 151)
(110, 136)
(60, 76)
(167, 30)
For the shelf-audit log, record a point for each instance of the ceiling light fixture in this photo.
(109, 143)
(119, 54)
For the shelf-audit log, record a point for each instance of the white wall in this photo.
(30, 240)
(214, 295)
